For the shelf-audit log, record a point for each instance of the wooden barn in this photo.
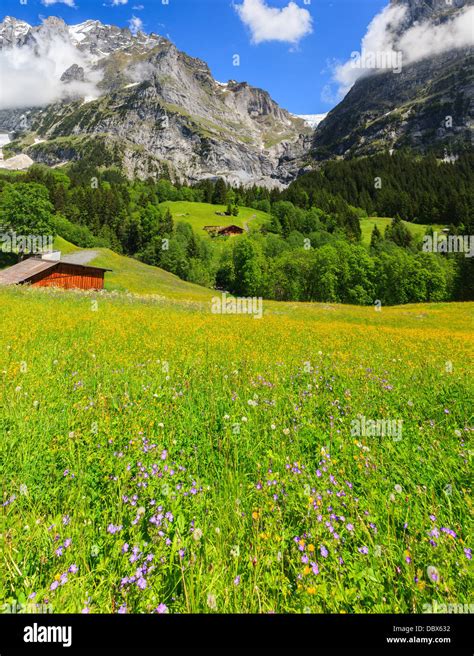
(224, 231)
(50, 273)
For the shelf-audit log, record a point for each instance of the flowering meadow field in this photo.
(157, 458)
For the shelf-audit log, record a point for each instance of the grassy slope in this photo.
(134, 276)
(203, 214)
(367, 225)
(129, 275)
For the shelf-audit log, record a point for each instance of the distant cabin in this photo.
(224, 231)
(50, 271)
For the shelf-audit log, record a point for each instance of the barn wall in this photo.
(68, 277)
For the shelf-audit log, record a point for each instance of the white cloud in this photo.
(31, 76)
(420, 41)
(48, 3)
(135, 25)
(117, 3)
(289, 24)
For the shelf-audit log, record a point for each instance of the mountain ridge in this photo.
(428, 105)
(155, 98)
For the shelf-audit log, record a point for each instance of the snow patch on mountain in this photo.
(313, 120)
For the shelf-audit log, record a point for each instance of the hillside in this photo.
(367, 226)
(129, 275)
(204, 214)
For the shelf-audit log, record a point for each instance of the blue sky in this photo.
(295, 71)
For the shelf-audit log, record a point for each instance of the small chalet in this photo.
(224, 231)
(50, 271)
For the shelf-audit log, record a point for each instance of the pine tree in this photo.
(220, 193)
(376, 237)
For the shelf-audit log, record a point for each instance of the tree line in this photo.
(310, 248)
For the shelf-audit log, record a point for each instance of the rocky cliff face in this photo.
(159, 107)
(429, 104)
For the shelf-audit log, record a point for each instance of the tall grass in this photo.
(159, 458)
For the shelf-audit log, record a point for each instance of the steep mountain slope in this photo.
(139, 101)
(429, 104)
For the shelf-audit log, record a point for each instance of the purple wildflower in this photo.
(141, 583)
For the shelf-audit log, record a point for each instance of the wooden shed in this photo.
(44, 273)
(224, 231)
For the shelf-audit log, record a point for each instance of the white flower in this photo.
(197, 534)
(286, 431)
(235, 551)
(23, 489)
(226, 417)
(18, 389)
(211, 601)
(244, 419)
(273, 427)
(392, 497)
(252, 402)
(218, 530)
(433, 573)
(398, 488)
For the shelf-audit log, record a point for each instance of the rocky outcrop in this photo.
(427, 106)
(162, 106)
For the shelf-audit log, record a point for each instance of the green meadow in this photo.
(199, 215)
(157, 457)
